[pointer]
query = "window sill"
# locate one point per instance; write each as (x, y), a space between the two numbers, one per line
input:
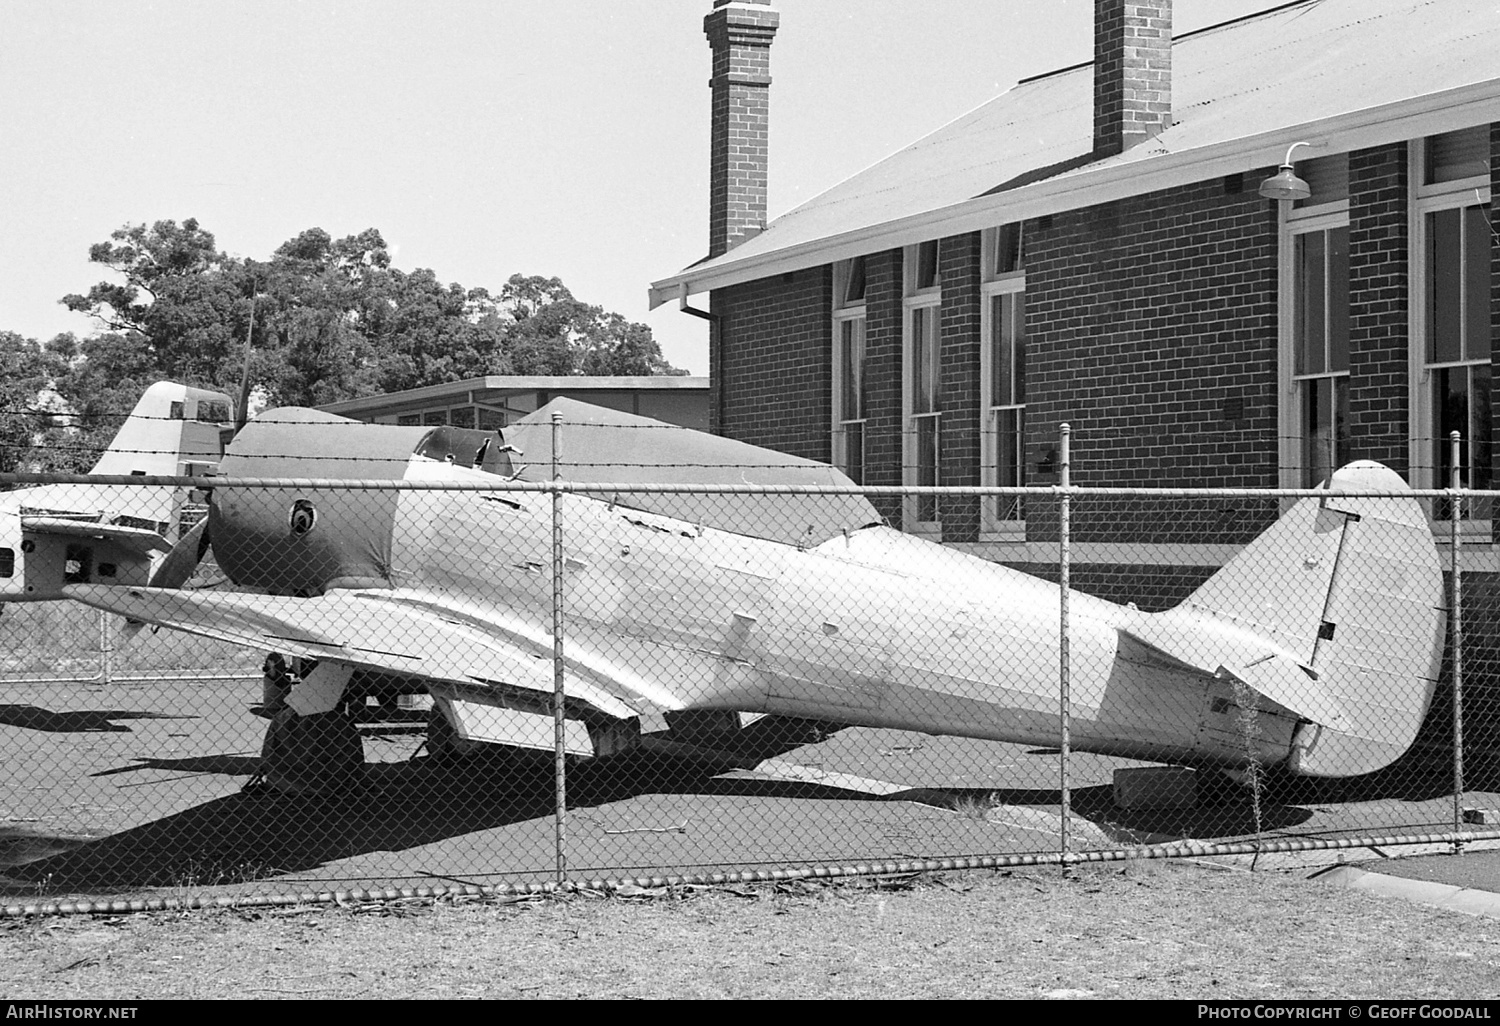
(1478, 533)
(1013, 533)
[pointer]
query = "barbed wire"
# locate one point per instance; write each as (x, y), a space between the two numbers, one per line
(793, 463)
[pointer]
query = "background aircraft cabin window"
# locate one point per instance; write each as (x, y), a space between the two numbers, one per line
(849, 396)
(213, 411)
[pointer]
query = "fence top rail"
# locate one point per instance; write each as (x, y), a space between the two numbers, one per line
(624, 488)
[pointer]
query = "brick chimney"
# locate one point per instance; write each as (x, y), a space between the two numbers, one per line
(740, 33)
(1132, 72)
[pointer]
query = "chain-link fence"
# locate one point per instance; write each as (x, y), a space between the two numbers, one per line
(357, 685)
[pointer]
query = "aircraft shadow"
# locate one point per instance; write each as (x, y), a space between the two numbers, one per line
(227, 765)
(245, 837)
(85, 721)
(398, 806)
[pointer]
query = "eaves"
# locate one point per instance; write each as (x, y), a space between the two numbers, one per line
(1150, 168)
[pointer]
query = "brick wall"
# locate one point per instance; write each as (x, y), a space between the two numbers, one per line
(883, 377)
(1152, 329)
(772, 363)
(958, 324)
(1378, 321)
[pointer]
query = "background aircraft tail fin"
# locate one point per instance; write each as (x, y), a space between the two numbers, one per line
(1351, 589)
(174, 429)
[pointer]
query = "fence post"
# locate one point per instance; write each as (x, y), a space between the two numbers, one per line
(559, 712)
(1064, 667)
(1455, 517)
(106, 649)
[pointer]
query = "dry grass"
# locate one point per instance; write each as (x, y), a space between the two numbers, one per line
(1141, 930)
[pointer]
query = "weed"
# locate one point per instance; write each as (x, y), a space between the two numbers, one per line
(1246, 700)
(973, 805)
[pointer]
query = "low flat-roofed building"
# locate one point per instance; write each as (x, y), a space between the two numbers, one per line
(497, 401)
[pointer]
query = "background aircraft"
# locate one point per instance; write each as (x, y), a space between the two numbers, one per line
(52, 536)
(705, 609)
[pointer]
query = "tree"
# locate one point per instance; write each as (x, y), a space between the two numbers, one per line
(182, 299)
(41, 428)
(326, 319)
(554, 333)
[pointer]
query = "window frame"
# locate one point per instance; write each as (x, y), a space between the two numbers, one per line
(1292, 432)
(996, 523)
(924, 301)
(1425, 200)
(850, 313)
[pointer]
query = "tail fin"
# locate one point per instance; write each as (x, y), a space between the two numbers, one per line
(173, 430)
(55, 534)
(1352, 589)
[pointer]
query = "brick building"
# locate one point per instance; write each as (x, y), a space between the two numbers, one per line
(1101, 246)
(1092, 246)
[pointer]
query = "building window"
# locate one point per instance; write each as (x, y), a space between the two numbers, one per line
(1314, 410)
(1320, 350)
(1002, 399)
(1451, 327)
(849, 395)
(921, 380)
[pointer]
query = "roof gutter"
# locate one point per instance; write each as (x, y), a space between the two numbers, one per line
(682, 298)
(1113, 179)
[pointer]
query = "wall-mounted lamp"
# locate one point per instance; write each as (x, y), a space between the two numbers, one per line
(1285, 185)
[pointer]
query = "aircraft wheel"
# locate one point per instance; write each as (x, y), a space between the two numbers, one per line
(318, 754)
(442, 740)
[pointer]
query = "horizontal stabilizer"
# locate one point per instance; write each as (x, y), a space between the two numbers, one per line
(1253, 662)
(1291, 685)
(137, 538)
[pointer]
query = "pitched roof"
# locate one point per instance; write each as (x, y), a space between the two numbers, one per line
(1345, 73)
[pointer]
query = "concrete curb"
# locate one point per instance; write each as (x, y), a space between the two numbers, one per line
(1459, 899)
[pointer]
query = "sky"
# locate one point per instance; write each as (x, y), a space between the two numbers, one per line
(483, 139)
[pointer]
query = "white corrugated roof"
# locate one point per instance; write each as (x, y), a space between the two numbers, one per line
(1344, 70)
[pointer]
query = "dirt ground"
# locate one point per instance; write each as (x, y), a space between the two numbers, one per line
(1138, 930)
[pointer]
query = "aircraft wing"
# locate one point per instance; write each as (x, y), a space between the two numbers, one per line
(138, 538)
(377, 629)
